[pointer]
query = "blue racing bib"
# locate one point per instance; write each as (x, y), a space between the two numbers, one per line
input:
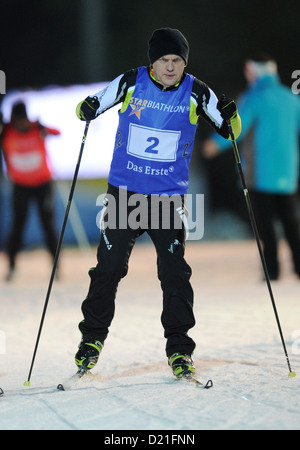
(155, 138)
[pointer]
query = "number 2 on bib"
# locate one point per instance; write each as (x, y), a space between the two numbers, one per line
(163, 143)
(151, 148)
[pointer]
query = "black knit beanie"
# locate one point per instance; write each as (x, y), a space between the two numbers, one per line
(167, 41)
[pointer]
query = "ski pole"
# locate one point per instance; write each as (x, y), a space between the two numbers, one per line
(27, 383)
(256, 234)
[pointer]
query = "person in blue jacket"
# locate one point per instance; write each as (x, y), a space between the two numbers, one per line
(270, 114)
(160, 106)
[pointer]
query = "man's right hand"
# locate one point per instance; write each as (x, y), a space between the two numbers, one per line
(87, 109)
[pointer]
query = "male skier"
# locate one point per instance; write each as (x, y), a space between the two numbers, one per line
(160, 109)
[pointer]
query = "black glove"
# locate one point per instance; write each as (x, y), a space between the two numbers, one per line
(227, 108)
(87, 109)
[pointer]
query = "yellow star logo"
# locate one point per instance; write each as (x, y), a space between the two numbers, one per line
(136, 110)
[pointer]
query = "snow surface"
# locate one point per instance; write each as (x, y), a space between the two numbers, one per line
(238, 347)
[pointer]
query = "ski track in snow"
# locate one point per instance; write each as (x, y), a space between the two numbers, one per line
(238, 347)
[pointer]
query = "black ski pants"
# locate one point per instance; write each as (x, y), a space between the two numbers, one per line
(174, 273)
(268, 209)
(22, 196)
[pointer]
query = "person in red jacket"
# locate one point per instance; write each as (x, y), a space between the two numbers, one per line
(24, 150)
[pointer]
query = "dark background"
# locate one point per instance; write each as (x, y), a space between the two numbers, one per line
(74, 41)
(63, 42)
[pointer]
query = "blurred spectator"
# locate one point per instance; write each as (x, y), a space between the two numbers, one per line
(270, 115)
(23, 145)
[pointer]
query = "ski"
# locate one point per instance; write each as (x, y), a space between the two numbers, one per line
(197, 383)
(76, 377)
(86, 374)
(27, 392)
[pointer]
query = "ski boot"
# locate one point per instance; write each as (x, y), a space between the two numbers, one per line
(181, 365)
(87, 356)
